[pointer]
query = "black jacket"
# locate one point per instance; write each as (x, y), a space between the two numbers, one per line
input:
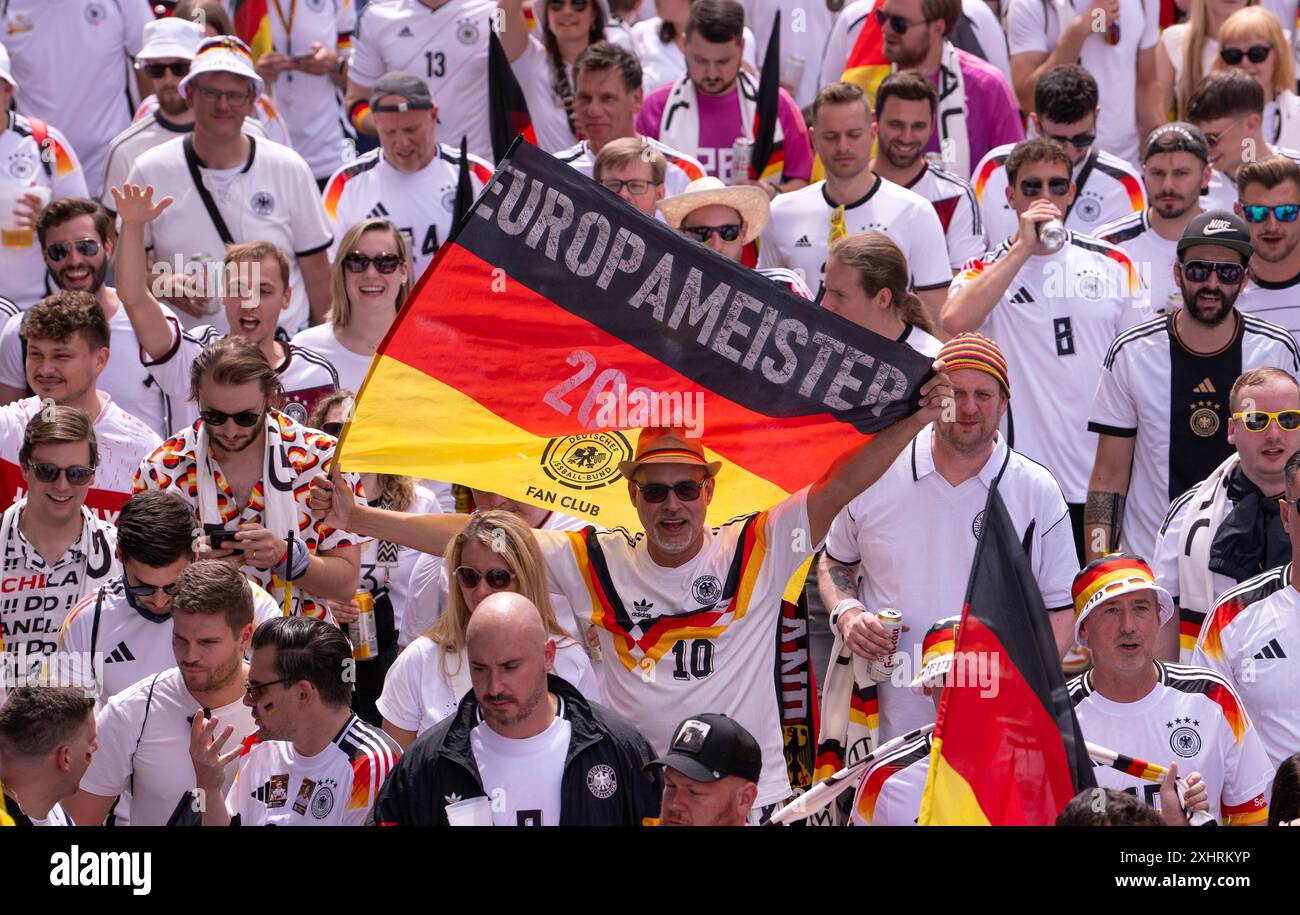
(439, 768)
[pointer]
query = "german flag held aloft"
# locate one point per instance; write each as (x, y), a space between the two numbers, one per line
(557, 320)
(1009, 753)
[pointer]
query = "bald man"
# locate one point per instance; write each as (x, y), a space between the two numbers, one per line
(524, 740)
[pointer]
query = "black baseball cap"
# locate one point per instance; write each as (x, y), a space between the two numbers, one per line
(407, 86)
(710, 747)
(1177, 137)
(1218, 227)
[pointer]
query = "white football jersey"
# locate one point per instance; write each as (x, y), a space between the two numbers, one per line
(701, 635)
(890, 791)
(1055, 323)
(954, 203)
(798, 232)
(1192, 717)
(1152, 256)
(1252, 638)
(1273, 301)
(278, 786)
(447, 47)
(1176, 404)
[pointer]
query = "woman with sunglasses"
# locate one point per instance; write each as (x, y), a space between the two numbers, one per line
(1188, 50)
(1252, 40)
(369, 281)
(385, 567)
(494, 552)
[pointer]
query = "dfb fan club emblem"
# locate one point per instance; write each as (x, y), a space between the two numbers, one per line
(601, 781)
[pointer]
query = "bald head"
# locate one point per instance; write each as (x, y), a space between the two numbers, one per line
(510, 653)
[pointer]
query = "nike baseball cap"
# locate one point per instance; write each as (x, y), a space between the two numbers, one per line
(413, 91)
(710, 747)
(1218, 227)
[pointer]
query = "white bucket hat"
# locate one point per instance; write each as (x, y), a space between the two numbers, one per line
(223, 54)
(168, 38)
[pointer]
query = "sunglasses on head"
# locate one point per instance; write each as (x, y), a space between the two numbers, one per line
(356, 262)
(1078, 141)
(1057, 187)
(1283, 212)
(701, 233)
(1260, 420)
(1257, 54)
(77, 474)
(497, 579)
(1199, 271)
(244, 418)
(156, 71)
(86, 247)
(897, 24)
(576, 5)
(685, 490)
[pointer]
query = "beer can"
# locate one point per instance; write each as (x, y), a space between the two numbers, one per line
(892, 620)
(1051, 235)
(1112, 33)
(362, 632)
(742, 155)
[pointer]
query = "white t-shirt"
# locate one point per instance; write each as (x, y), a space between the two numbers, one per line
(447, 47)
(135, 643)
(56, 817)
(1273, 301)
(157, 748)
(25, 163)
(1152, 255)
(890, 791)
(418, 693)
(1174, 41)
(536, 78)
(923, 342)
(1176, 404)
(73, 58)
(798, 232)
(1111, 190)
(701, 635)
(1055, 323)
(1253, 641)
(122, 442)
(682, 169)
(1033, 26)
(959, 213)
(919, 567)
(350, 367)
(522, 776)
(36, 595)
(427, 596)
(802, 36)
(273, 197)
(662, 63)
(305, 376)
(278, 786)
(129, 383)
(1193, 717)
(422, 204)
(150, 130)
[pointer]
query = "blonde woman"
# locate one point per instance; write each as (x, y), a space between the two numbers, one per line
(369, 280)
(495, 552)
(1187, 51)
(1252, 40)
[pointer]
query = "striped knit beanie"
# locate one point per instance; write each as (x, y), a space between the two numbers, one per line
(978, 352)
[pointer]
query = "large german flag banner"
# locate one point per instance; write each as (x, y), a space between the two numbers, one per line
(557, 320)
(1009, 752)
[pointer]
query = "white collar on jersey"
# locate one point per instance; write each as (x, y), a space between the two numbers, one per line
(922, 457)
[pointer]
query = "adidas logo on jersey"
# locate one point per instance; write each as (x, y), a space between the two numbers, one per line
(1022, 296)
(120, 653)
(642, 608)
(803, 242)
(378, 211)
(1270, 652)
(1205, 387)
(406, 32)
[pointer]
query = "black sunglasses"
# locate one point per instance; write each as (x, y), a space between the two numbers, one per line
(686, 490)
(334, 429)
(898, 24)
(701, 233)
(156, 71)
(254, 690)
(577, 5)
(1257, 54)
(1057, 187)
(1199, 271)
(497, 579)
(86, 247)
(356, 262)
(148, 590)
(244, 418)
(1078, 141)
(77, 474)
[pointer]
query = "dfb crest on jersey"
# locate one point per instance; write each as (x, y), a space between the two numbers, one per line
(467, 31)
(1088, 209)
(315, 5)
(1184, 740)
(21, 167)
(977, 524)
(95, 13)
(262, 203)
(707, 589)
(601, 781)
(449, 200)
(322, 802)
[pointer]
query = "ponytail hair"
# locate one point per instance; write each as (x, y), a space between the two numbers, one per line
(881, 265)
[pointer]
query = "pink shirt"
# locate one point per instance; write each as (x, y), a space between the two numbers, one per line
(992, 114)
(720, 126)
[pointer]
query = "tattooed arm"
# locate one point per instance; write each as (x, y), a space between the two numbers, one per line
(862, 632)
(1103, 515)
